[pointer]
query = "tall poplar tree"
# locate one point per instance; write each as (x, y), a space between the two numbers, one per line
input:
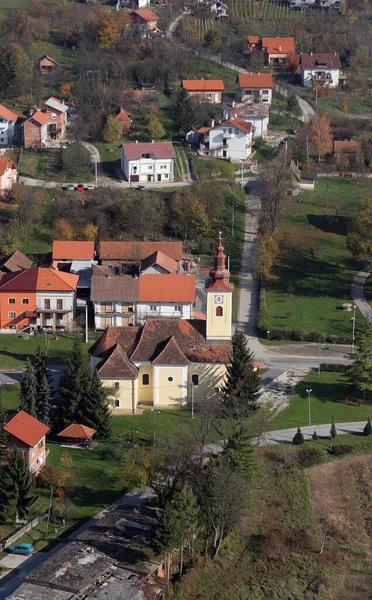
(28, 391)
(74, 384)
(15, 485)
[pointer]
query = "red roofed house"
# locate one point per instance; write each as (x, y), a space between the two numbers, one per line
(253, 42)
(77, 433)
(168, 361)
(37, 298)
(320, 68)
(48, 65)
(45, 125)
(348, 148)
(117, 253)
(255, 88)
(7, 124)
(205, 90)
(231, 139)
(145, 20)
(124, 118)
(277, 49)
(8, 174)
(148, 162)
(15, 262)
(75, 257)
(28, 434)
(171, 295)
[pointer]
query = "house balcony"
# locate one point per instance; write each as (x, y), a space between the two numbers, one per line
(124, 315)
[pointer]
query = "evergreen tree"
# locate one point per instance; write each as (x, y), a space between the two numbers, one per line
(240, 453)
(298, 439)
(43, 401)
(168, 532)
(183, 111)
(74, 384)
(360, 372)
(368, 428)
(187, 509)
(241, 388)
(315, 436)
(333, 431)
(28, 391)
(40, 366)
(94, 410)
(3, 434)
(15, 484)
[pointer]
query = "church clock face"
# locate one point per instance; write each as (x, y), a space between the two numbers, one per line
(218, 299)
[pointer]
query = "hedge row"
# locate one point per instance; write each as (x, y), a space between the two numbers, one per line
(334, 367)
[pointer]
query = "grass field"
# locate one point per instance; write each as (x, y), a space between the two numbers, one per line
(110, 157)
(9, 6)
(328, 391)
(358, 101)
(312, 276)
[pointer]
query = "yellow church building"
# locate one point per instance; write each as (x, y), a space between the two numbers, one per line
(168, 361)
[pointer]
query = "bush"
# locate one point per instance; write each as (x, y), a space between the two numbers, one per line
(333, 431)
(342, 449)
(334, 367)
(308, 457)
(315, 436)
(341, 338)
(298, 439)
(48, 477)
(368, 428)
(315, 336)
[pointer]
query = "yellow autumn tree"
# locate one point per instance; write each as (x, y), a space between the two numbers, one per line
(267, 251)
(62, 230)
(110, 26)
(90, 232)
(66, 89)
(345, 106)
(320, 135)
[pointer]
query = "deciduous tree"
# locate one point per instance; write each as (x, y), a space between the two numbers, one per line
(360, 372)
(274, 181)
(113, 130)
(359, 240)
(62, 230)
(320, 135)
(156, 129)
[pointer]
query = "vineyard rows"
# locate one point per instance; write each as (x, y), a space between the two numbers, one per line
(264, 10)
(194, 29)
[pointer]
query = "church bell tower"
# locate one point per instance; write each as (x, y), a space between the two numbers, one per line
(219, 299)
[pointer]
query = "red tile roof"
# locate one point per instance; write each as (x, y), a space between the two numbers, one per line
(5, 164)
(26, 428)
(38, 279)
(138, 251)
(167, 288)
(161, 259)
(72, 250)
(48, 58)
(158, 150)
(253, 39)
(127, 337)
(7, 114)
(122, 116)
(346, 146)
(255, 80)
(239, 124)
(107, 287)
(39, 117)
(117, 364)
(15, 262)
(203, 85)
(204, 129)
(76, 430)
(171, 354)
(146, 14)
(279, 45)
(325, 61)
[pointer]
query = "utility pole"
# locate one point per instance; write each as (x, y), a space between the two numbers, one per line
(233, 221)
(192, 400)
(242, 172)
(86, 323)
(96, 171)
(154, 431)
(309, 397)
(318, 358)
(353, 320)
(49, 509)
(285, 153)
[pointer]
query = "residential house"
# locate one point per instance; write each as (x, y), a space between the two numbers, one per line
(145, 20)
(37, 298)
(255, 114)
(8, 174)
(276, 50)
(232, 139)
(255, 88)
(45, 126)
(319, 68)
(215, 9)
(168, 361)
(48, 65)
(159, 263)
(124, 119)
(28, 435)
(75, 257)
(114, 298)
(346, 148)
(205, 90)
(170, 295)
(148, 162)
(117, 254)
(301, 5)
(7, 126)
(16, 261)
(135, 3)
(253, 42)
(57, 112)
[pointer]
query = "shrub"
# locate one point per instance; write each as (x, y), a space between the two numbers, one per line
(333, 431)
(48, 477)
(315, 436)
(334, 367)
(315, 336)
(342, 449)
(298, 439)
(368, 428)
(308, 457)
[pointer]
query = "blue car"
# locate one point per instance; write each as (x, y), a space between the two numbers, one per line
(141, 188)
(26, 549)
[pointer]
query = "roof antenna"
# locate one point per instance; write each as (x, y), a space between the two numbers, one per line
(220, 235)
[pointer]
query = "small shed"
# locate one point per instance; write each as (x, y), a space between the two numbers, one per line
(77, 434)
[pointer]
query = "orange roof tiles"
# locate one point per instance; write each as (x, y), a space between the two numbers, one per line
(117, 364)
(26, 428)
(253, 39)
(122, 116)
(7, 114)
(167, 288)
(138, 250)
(320, 60)
(171, 354)
(38, 279)
(279, 45)
(146, 14)
(76, 430)
(72, 250)
(161, 259)
(204, 129)
(239, 124)
(346, 146)
(40, 117)
(256, 80)
(159, 150)
(203, 85)
(5, 164)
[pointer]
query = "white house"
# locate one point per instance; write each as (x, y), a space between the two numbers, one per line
(7, 125)
(232, 139)
(170, 295)
(320, 68)
(255, 114)
(133, 3)
(148, 162)
(255, 88)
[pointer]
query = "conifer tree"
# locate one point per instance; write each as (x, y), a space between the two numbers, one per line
(43, 401)
(186, 507)
(298, 439)
(3, 434)
(28, 391)
(15, 484)
(240, 453)
(333, 431)
(74, 384)
(168, 532)
(183, 111)
(241, 388)
(95, 411)
(40, 365)
(368, 428)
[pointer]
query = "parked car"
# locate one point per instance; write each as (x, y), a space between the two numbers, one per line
(90, 186)
(70, 187)
(79, 187)
(141, 188)
(26, 549)
(346, 175)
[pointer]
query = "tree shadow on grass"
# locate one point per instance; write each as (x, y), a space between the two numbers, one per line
(330, 224)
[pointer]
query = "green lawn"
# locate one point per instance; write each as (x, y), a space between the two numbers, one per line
(110, 157)
(358, 100)
(41, 164)
(328, 390)
(9, 6)
(14, 350)
(312, 275)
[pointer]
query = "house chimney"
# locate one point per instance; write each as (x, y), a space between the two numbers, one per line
(280, 48)
(233, 103)
(212, 123)
(136, 141)
(235, 116)
(153, 141)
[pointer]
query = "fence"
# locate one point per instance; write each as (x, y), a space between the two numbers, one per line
(13, 537)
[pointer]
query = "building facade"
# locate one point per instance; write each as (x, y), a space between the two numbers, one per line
(28, 435)
(255, 88)
(8, 174)
(255, 114)
(232, 139)
(7, 126)
(322, 69)
(148, 162)
(205, 90)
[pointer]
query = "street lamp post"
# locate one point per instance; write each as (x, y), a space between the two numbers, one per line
(353, 319)
(242, 161)
(154, 431)
(268, 334)
(234, 206)
(309, 395)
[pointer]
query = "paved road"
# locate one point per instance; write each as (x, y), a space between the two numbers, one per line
(307, 110)
(9, 376)
(357, 293)
(285, 436)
